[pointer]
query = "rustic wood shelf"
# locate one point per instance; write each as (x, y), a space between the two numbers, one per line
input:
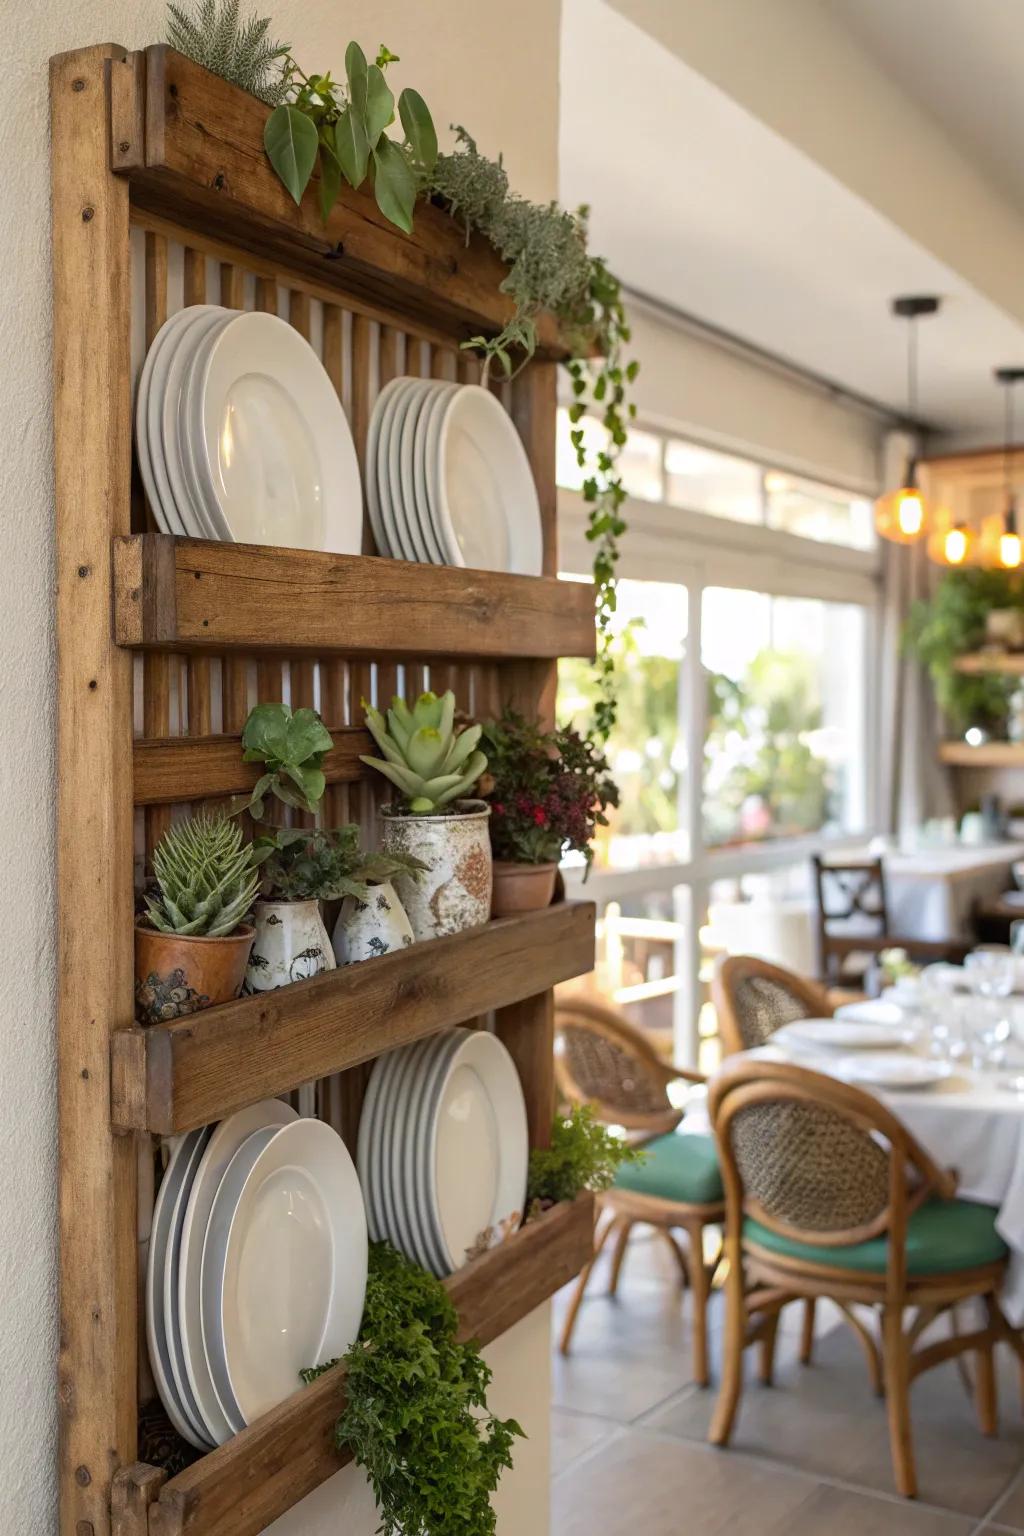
(1011, 663)
(242, 1486)
(191, 146)
(168, 769)
(990, 754)
(197, 594)
(168, 1078)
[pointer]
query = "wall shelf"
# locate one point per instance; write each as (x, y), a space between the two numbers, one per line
(196, 594)
(990, 754)
(238, 1489)
(1010, 663)
(168, 1078)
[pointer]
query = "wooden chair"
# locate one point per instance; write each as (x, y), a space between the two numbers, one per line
(853, 922)
(828, 1194)
(603, 1060)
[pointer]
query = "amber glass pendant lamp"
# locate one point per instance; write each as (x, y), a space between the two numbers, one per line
(902, 515)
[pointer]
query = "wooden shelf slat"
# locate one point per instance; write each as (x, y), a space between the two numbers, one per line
(171, 1077)
(990, 754)
(168, 769)
(238, 1489)
(200, 160)
(1011, 663)
(197, 594)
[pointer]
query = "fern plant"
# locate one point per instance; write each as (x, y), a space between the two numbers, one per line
(214, 34)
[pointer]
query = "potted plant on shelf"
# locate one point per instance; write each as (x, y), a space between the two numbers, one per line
(548, 792)
(193, 940)
(434, 763)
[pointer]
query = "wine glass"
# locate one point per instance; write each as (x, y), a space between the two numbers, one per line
(991, 970)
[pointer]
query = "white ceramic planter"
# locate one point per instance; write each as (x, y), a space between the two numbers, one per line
(454, 892)
(291, 944)
(373, 927)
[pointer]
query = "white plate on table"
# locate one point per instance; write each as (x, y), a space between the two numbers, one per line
(224, 1142)
(181, 1167)
(842, 1035)
(273, 448)
(893, 1070)
(487, 510)
(289, 1277)
(873, 1011)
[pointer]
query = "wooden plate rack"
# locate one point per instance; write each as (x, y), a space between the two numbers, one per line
(161, 198)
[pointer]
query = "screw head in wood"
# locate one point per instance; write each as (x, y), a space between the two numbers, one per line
(87, 214)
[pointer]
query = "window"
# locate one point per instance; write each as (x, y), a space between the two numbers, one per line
(704, 481)
(784, 742)
(817, 511)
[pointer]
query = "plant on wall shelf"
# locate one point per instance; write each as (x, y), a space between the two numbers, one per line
(951, 623)
(213, 33)
(584, 1154)
(416, 1416)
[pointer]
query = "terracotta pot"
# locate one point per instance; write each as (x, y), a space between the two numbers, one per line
(454, 892)
(292, 944)
(177, 974)
(522, 887)
(372, 927)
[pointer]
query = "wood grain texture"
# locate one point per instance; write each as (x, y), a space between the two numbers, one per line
(204, 164)
(133, 1491)
(194, 594)
(240, 1488)
(203, 1067)
(91, 363)
(175, 769)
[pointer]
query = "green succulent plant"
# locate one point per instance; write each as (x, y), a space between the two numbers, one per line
(424, 755)
(292, 745)
(207, 878)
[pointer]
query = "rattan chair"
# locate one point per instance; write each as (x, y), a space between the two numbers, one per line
(603, 1060)
(752, 999)
(828, 1194)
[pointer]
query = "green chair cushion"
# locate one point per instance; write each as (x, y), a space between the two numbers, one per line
(677, 1167)
(942, 1236)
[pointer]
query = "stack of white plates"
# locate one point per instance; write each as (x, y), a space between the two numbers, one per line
(257, 1267)
(843, 1035)
(448, 481)
(443, 1148)
(241, 436)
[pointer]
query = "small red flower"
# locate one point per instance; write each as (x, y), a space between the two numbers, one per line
(539, 816)
(497, 809)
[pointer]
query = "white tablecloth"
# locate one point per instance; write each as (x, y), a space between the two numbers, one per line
(971, 1124)
(931, 892)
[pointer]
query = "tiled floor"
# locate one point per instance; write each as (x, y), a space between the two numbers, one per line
(810, 1455)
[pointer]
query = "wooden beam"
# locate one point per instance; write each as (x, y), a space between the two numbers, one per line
(91, 363)
(171, 1077)
(199, 594)
(175, 768)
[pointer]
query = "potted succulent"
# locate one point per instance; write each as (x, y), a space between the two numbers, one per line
(193, 940)
(433, 763)
(548, 791)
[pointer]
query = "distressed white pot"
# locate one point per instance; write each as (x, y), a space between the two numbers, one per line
(372, 927)
(454, 892)
(291, 944)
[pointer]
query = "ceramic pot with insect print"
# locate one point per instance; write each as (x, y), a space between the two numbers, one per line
(291, 944)
(376, 926)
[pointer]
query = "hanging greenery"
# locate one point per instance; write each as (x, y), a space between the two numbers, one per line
(951, 623)
(341, 126)
(416, 1417)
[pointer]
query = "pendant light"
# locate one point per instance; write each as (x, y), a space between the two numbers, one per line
(901, 515)
(1009, 548)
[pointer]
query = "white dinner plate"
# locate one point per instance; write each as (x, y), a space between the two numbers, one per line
(487, 506)
(172, 1272)
(389, 486)
(842, 1034)
(873, 1011)
(273, 447)
(418, 1153)
(428, 436)
(181, 1165)
(373, 505)
(893, 1070)
(414, 500)
(224, 1142)
(168, 423)
(292, 1273)
(149, 400)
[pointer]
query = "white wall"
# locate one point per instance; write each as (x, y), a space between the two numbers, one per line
(460, 55)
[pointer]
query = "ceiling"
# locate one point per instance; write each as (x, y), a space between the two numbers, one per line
(697, 203)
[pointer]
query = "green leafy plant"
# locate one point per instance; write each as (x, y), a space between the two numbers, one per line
(551, 269)
(342, 125)
(416, 1416)
(584, 1154)
(292, 745)
(213, 33)
(206, 877)
(325, 865)
(425, 755)
(951, 623)
(548, 790)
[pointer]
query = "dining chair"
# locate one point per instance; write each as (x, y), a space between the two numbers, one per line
(828, 1194)
(853, 925)
(604, 1061)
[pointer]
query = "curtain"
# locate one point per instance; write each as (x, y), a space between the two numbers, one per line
(913, 785)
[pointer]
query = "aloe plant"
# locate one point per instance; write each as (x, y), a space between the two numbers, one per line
(424, 755)
(207, 878)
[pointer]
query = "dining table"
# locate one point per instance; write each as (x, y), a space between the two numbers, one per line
(933, 892)
(971, 1122)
